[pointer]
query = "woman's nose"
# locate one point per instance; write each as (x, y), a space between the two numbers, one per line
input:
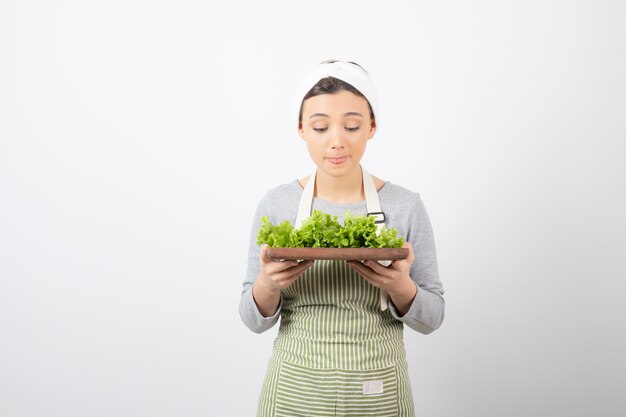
(336, 139)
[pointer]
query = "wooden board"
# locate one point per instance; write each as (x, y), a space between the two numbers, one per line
(347, 254)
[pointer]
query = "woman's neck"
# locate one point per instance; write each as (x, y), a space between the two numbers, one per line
(342, 190)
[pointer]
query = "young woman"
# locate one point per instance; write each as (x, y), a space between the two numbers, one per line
(340, 349)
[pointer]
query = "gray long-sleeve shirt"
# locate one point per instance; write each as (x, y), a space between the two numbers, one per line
(404, 211)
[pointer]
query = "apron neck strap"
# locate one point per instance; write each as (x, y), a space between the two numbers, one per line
(306, 201)
(371, 200)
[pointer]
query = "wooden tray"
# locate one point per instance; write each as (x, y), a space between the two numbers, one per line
(347, 254)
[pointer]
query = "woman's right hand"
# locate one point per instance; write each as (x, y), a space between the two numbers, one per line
(276, 275)
(273, 277)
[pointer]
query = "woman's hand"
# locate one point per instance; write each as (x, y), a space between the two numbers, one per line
(395, 279)
(274, 276)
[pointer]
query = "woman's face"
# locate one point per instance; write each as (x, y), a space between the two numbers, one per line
(336, 128)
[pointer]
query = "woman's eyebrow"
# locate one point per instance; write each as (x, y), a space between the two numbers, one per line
(350, 113)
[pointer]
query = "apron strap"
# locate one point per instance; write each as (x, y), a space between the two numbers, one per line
(306, 201)
(371, 200)
(373, 209)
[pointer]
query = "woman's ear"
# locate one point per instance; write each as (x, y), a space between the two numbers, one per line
(372, 131)
(300, 130)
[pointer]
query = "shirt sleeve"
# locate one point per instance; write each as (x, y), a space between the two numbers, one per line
(426, 313)
(248, 310)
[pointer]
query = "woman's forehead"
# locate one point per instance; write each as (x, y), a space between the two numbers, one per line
(340, 102)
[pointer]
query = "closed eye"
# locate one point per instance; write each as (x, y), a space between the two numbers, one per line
(320, 129)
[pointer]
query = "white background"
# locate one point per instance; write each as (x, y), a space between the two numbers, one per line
(136, 138)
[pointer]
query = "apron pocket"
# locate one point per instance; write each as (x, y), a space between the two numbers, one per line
(303, 391)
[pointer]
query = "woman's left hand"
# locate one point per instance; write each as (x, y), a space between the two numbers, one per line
(395, 278)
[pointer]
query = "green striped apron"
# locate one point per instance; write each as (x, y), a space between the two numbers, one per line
(337, 352)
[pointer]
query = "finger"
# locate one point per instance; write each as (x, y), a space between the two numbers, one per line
(291, 272)
(300, 267)
(362, 269)
(364, 272)
(402, 264)
(272, 265)
(275, 267)
(290, 280)
(378, 268)
(265, 257)
(304, 266)
(411, 256)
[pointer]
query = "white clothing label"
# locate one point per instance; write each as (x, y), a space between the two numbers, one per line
(372, 387)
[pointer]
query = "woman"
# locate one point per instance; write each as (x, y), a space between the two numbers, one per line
(339, 349)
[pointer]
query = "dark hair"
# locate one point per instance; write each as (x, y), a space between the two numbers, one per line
(332, 85)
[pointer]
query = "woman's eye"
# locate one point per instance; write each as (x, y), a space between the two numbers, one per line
(352, 129)
(320, 129)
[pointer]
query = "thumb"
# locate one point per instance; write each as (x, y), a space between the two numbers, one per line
(411, 257)
(265, 257)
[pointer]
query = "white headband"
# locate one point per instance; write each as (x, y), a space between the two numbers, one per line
(345, 71)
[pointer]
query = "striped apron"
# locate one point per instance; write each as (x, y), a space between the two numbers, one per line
(337, 352)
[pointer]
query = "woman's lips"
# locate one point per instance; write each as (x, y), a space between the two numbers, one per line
(337, 161)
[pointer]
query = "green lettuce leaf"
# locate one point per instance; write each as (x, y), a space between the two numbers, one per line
(321, 230)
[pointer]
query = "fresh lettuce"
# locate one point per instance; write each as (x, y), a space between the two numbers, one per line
(321, 230)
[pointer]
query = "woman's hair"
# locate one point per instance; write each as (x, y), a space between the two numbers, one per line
(332, 85)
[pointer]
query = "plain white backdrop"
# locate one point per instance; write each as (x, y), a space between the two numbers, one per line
(136, 138)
